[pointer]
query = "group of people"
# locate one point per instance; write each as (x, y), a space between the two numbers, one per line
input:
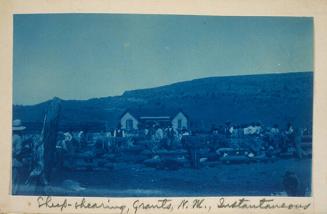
(253, 136)
(256, 138)
(112, 141)
(27, 158)
(163, 137)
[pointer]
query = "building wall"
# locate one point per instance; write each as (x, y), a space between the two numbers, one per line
(183, 121)
(126, 117)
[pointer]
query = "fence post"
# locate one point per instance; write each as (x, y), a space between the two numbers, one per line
(49, 136)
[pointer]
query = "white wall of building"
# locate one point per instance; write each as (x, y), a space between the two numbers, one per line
(180, 119)
(126, 117)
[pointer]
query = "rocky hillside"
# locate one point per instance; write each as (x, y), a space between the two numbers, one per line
(269, 98)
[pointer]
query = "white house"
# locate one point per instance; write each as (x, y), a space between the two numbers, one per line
(141, 118)
(128, 122)
(180, 121)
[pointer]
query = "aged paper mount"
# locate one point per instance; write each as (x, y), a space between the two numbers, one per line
(32, 204)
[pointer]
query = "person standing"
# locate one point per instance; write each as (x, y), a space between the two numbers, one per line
(170, 137)
(61, 150)
(297, 143)
(118, 138)
(288, 137)
(192, 144)
(183, 136)
(159, 134)
(80, 140)
(291, 184)
(17, 165)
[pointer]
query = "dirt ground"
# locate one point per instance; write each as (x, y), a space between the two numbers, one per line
(136, 180)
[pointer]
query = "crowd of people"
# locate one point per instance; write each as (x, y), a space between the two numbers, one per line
(254, 137)
(257, 138)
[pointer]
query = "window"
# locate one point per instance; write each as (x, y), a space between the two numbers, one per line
(179, 124)
(129, 124)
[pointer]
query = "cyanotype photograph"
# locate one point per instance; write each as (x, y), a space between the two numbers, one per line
(136, 105)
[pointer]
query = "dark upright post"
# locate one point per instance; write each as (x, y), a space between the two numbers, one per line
(49, 136)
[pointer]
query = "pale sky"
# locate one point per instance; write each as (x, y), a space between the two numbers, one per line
(82, 56)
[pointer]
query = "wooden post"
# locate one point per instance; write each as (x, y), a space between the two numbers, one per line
(49, 136)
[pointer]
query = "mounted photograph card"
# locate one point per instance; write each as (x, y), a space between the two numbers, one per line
(116, 110)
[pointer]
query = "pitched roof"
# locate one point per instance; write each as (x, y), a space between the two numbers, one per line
(160, 113)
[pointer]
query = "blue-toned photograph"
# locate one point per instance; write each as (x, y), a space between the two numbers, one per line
(136, 105)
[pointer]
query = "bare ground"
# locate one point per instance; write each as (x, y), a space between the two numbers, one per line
(136, 180)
